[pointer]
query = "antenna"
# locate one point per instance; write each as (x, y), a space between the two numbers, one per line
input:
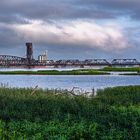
(46, 52)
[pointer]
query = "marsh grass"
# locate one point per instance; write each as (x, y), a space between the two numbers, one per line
(103, 71)
(122, 69)
(54, 114)
(55, 72)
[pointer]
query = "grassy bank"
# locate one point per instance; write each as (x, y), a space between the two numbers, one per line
(119, 69)
(45, 115)
(55, 72)
(103, 71)
(132, 74)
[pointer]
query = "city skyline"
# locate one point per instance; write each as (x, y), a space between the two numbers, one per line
(71, 29)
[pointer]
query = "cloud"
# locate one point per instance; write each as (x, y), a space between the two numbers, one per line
(81, 33)
(10, 11)
(129, 8)
(54, 9)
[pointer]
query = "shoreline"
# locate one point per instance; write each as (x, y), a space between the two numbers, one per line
(54, 72)
(38, 73)
(103, 71)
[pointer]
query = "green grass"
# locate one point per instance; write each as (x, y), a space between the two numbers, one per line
(119, 69)
(55, 72)
(103, 71)
(114, 114)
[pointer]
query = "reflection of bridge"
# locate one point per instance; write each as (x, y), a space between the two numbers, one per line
(9, 61)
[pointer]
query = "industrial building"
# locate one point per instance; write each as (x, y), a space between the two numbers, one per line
(42, 58)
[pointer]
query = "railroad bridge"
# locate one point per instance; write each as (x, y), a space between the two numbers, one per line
(29, 61)
(87, 62)
(125, 62)
(8, 60)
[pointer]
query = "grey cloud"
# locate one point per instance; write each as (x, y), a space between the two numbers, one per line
(121, 7)
(113, 4)
(67, 9)
(54, 9)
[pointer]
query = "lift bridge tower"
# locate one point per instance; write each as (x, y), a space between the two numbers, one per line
(29, 54)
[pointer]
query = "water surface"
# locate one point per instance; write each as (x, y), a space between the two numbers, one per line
(86, 82)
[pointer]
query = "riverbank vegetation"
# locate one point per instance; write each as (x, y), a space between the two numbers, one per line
(56, 72)
(103, 71)
(121, 69)
(114, 114)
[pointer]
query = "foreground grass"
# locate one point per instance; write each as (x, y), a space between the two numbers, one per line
(46, 115)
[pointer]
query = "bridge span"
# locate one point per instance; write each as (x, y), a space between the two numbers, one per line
(29, 61)
(8, 60)
(15, 61)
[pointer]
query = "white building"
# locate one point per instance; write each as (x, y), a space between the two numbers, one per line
(42, 58)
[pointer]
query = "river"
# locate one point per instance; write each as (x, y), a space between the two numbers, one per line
(86, 82)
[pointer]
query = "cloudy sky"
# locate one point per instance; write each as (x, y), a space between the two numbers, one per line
(71, 29)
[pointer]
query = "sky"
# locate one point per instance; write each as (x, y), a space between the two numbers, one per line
(71, 29)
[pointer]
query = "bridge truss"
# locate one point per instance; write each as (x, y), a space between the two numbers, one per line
(125, 62)
(8, 60)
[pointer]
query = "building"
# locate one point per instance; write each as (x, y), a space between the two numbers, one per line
(42, 58)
